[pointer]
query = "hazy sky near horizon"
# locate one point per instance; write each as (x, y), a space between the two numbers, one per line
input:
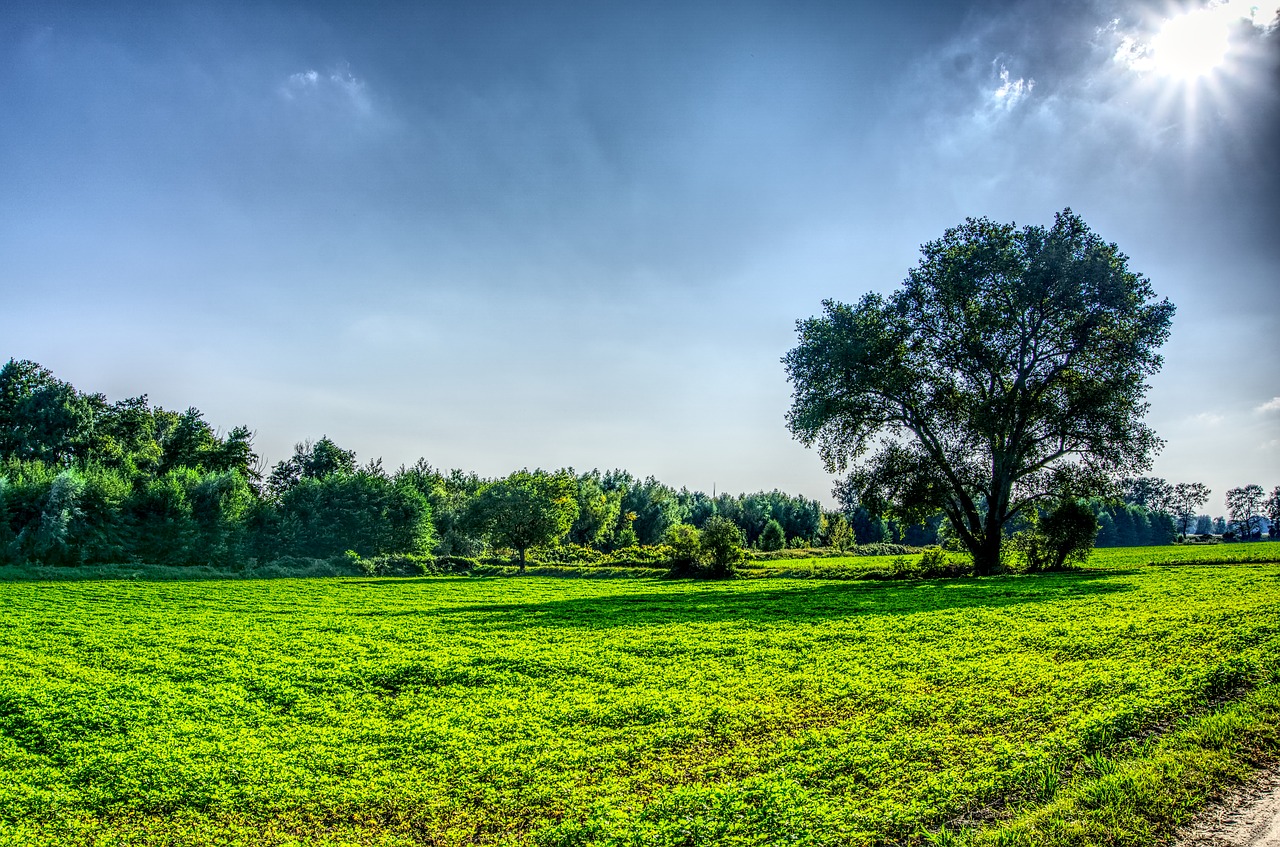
(499, 235)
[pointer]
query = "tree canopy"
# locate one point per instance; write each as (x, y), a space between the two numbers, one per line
(1010, 369)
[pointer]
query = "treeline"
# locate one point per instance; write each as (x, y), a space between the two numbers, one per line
(84, 480)
(1250, 512)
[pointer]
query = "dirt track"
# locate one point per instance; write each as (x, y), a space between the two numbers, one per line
(1248, 818)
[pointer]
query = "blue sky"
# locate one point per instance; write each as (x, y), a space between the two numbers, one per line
(504, 235)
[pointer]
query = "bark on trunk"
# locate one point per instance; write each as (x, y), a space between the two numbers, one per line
(986, 558)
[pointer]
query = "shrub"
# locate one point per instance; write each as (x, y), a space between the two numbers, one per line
(397, 564)
(722, 543)
(1060, 539)
(772, 537)
(685, 544)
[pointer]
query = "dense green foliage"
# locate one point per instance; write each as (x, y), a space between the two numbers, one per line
(84, 481)
(636, 712)
(1009, 369)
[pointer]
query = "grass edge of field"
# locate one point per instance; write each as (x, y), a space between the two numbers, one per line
(1147, 795)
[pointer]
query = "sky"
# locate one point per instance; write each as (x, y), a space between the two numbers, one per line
(504, 235)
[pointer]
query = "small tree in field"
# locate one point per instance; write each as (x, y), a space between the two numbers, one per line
(526, 510)
(722, 543)
(685, 542)
(1273, 513)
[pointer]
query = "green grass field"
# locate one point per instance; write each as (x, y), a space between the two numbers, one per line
(1100, 706)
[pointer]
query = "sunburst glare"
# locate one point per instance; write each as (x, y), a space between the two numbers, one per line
(1192, 45)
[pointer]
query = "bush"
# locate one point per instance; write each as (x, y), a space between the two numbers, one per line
(455, 564)
(685, 543)
(772, 537)
(1060, 539)
(883, 548)
(396, 564)
(722, 543)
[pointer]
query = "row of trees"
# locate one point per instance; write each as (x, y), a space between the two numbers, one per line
(86, 480)
(1247, 506)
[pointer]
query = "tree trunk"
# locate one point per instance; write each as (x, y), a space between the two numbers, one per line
(521, 560)
(986, 556)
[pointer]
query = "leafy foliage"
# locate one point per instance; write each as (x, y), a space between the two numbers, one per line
(527, 509)
(1009, 369)
(722, 543)
(1060, 538)
(772, 538)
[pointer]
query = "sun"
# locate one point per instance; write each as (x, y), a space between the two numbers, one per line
(1191, 45)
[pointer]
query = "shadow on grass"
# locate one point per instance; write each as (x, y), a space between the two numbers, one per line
(707, 602)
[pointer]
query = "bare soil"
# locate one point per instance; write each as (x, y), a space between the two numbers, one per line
(1249, 817)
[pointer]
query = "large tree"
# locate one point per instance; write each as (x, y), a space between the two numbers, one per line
(1008, 371)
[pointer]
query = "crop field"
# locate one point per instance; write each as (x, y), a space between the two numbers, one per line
(1098, 706)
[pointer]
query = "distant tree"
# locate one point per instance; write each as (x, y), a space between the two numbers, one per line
(1244, 510)
(527, 509)
(722, 542)
(1150, 492)
(840, 534)
(598, 512)
(1185, 501)
(1273, 513)
(772, 537)
(1204, 525)
(697, 505)
(311, 461)
(1108, 536)
(43, 418)
(126, 438)
(1127, 534)
(364, 511)
(1009, 371)
(655, 508)
(1219, 525)
(450, 496)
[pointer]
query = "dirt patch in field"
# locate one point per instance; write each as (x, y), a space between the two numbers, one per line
(1249, 817)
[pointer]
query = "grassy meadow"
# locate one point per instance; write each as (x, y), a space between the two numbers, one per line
(1090, 707)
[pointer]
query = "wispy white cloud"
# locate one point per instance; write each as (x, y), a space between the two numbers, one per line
(340, 85)
(1272, 405)
(1208, 419)
(1011, 91)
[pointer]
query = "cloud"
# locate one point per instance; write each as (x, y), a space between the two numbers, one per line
(1272, 405)
(1011, 91)
(298, 82)
(336, 87)
(1207, 419)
